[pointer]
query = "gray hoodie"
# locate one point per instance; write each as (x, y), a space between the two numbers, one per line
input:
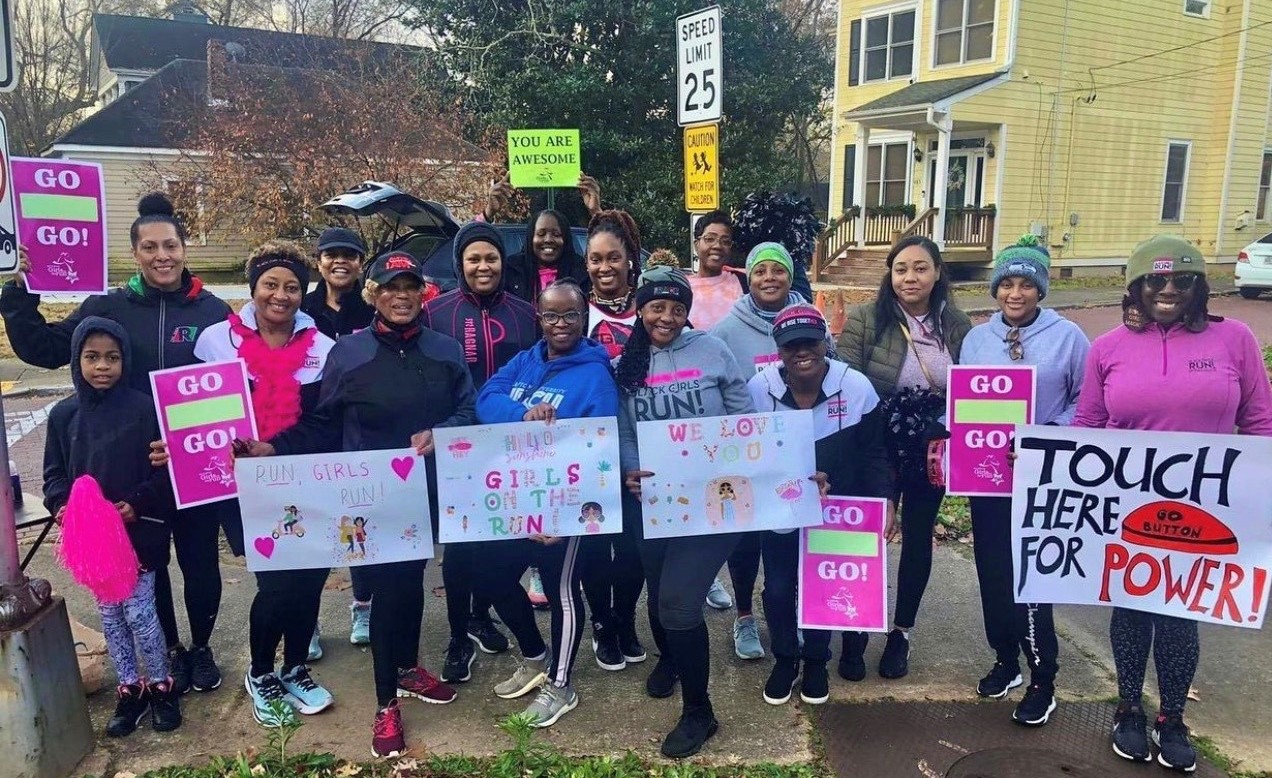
(694, 377)
(749, 338)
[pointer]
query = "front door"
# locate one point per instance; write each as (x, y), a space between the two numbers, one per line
(963, 184)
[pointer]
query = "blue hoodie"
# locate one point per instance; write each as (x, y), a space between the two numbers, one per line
(1054, 345)
(578, 384)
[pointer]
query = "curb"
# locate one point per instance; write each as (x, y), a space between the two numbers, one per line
(40, 391)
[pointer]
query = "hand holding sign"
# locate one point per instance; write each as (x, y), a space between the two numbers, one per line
(62, 221)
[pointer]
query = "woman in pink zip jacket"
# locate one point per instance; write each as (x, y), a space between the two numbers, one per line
(1141, 376)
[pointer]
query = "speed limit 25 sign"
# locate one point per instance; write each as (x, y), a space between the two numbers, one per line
(699, 76)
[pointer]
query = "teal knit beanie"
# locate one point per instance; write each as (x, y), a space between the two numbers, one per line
(1026, 259)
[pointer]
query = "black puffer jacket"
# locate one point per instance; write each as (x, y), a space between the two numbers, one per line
(163, 326)
(107, 434)
(354, 313)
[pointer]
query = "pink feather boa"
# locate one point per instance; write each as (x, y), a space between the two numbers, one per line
(95, 547)
(276, 392)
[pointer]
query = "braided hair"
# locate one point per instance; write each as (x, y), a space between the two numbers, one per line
(622, 226)
(155, 208)
(1196, 315)
(633, 365)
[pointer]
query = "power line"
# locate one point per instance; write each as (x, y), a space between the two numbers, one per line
(1181, 48)
(1168, 76)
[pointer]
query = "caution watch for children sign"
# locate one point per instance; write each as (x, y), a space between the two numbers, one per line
(702, 168)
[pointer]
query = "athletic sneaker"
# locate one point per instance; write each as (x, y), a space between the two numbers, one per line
(529, 674)
(695, 727)
(605, 645)
(165, 706)
(360, 623)
(552, 703)
(538, 600)
(1036, 706)
(387, 737)
(458, 666)
(717, 597)
(423, 685)
(271, 706)
(814, 689)
(488, 637)
(1174, 749)
(662, 681)
(179, 667)
(310, 697)
(629, 645)
(895, 662)
(781, 681)
(315, 647)
(204, 674)
(131, 706)
(1002, 678)
(852, 657)
(1130, 734)
(746, 638)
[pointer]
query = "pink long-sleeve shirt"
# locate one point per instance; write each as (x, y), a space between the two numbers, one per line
(1173, 380)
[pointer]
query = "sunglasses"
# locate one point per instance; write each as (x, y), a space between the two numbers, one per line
(1181, 281)
(1015, 347)
(552, 319)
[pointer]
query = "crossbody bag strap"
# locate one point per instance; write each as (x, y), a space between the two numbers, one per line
(910, 339)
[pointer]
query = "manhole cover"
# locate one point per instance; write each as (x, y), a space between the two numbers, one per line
(1019, 762)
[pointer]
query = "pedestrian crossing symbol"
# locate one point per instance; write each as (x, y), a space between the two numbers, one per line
(702, 168)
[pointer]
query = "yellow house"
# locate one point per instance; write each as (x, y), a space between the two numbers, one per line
(1092, 124)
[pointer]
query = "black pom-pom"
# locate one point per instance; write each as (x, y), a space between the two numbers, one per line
(155, 204)
(781, 218)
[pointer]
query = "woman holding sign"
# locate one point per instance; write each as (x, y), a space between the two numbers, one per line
(163, 309)
(904, 343)
(1165, 323)
(378, 386)
(850, 450)
(1022, 333)
(564, 376)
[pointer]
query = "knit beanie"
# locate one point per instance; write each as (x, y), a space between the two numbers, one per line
(1025, 259)
(473, 232)
(663, 283)
(769, 252)
(1164, 254)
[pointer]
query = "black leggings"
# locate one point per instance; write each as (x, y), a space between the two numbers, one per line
(459, 571)
(781, 599)
(361, 591)
(1010, 628)
(920, 503)
(195, 535)
(1176, 649)
(397, 588)
(612, 571)
(285, 609)
(744, 569)
(559, 568)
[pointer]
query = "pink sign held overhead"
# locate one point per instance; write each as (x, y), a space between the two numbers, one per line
(843, 568)
(62, 224)
(202, 410)
(984, 405)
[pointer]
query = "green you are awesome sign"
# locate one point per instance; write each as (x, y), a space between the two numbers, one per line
(544, 158)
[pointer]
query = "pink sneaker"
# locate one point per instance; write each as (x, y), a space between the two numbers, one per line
(387, 737)
(423, 685)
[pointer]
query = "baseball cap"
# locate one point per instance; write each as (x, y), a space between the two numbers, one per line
(393, 264)
(799, 322)
(341, 238)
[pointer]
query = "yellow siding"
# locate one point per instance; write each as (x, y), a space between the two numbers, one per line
(128, 176)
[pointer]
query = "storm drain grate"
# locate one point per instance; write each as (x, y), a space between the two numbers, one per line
(973, 740)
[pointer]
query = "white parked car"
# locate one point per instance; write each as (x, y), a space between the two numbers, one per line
(1253, 271)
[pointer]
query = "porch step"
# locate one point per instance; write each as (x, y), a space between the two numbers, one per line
(857, 267)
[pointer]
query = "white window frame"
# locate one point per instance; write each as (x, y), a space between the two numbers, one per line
(1183, 185)
(883, 144)
(1264, 190)
(962, 60)
(889, 12)
(199, 238)
(1205, 10)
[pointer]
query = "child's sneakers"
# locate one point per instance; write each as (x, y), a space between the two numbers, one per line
(271, 705)
(310, 697)
(131, 707)
(165, 705)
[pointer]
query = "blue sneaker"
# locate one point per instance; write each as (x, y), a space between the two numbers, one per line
(315, 647)
(309, 696)
(717, 597)
(746, 638)
(360, 623)
(271, 707)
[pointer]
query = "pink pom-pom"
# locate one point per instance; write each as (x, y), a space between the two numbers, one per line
(95, 547)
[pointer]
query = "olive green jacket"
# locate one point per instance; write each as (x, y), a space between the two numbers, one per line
(882, 361)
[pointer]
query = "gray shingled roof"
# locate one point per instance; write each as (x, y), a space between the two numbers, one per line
(924, 93)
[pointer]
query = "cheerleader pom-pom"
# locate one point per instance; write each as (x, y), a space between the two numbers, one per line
(95, 547)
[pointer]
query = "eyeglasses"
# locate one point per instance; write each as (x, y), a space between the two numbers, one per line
(552, 319)
(714, 240)
(1015, 347)
(1181, 281)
